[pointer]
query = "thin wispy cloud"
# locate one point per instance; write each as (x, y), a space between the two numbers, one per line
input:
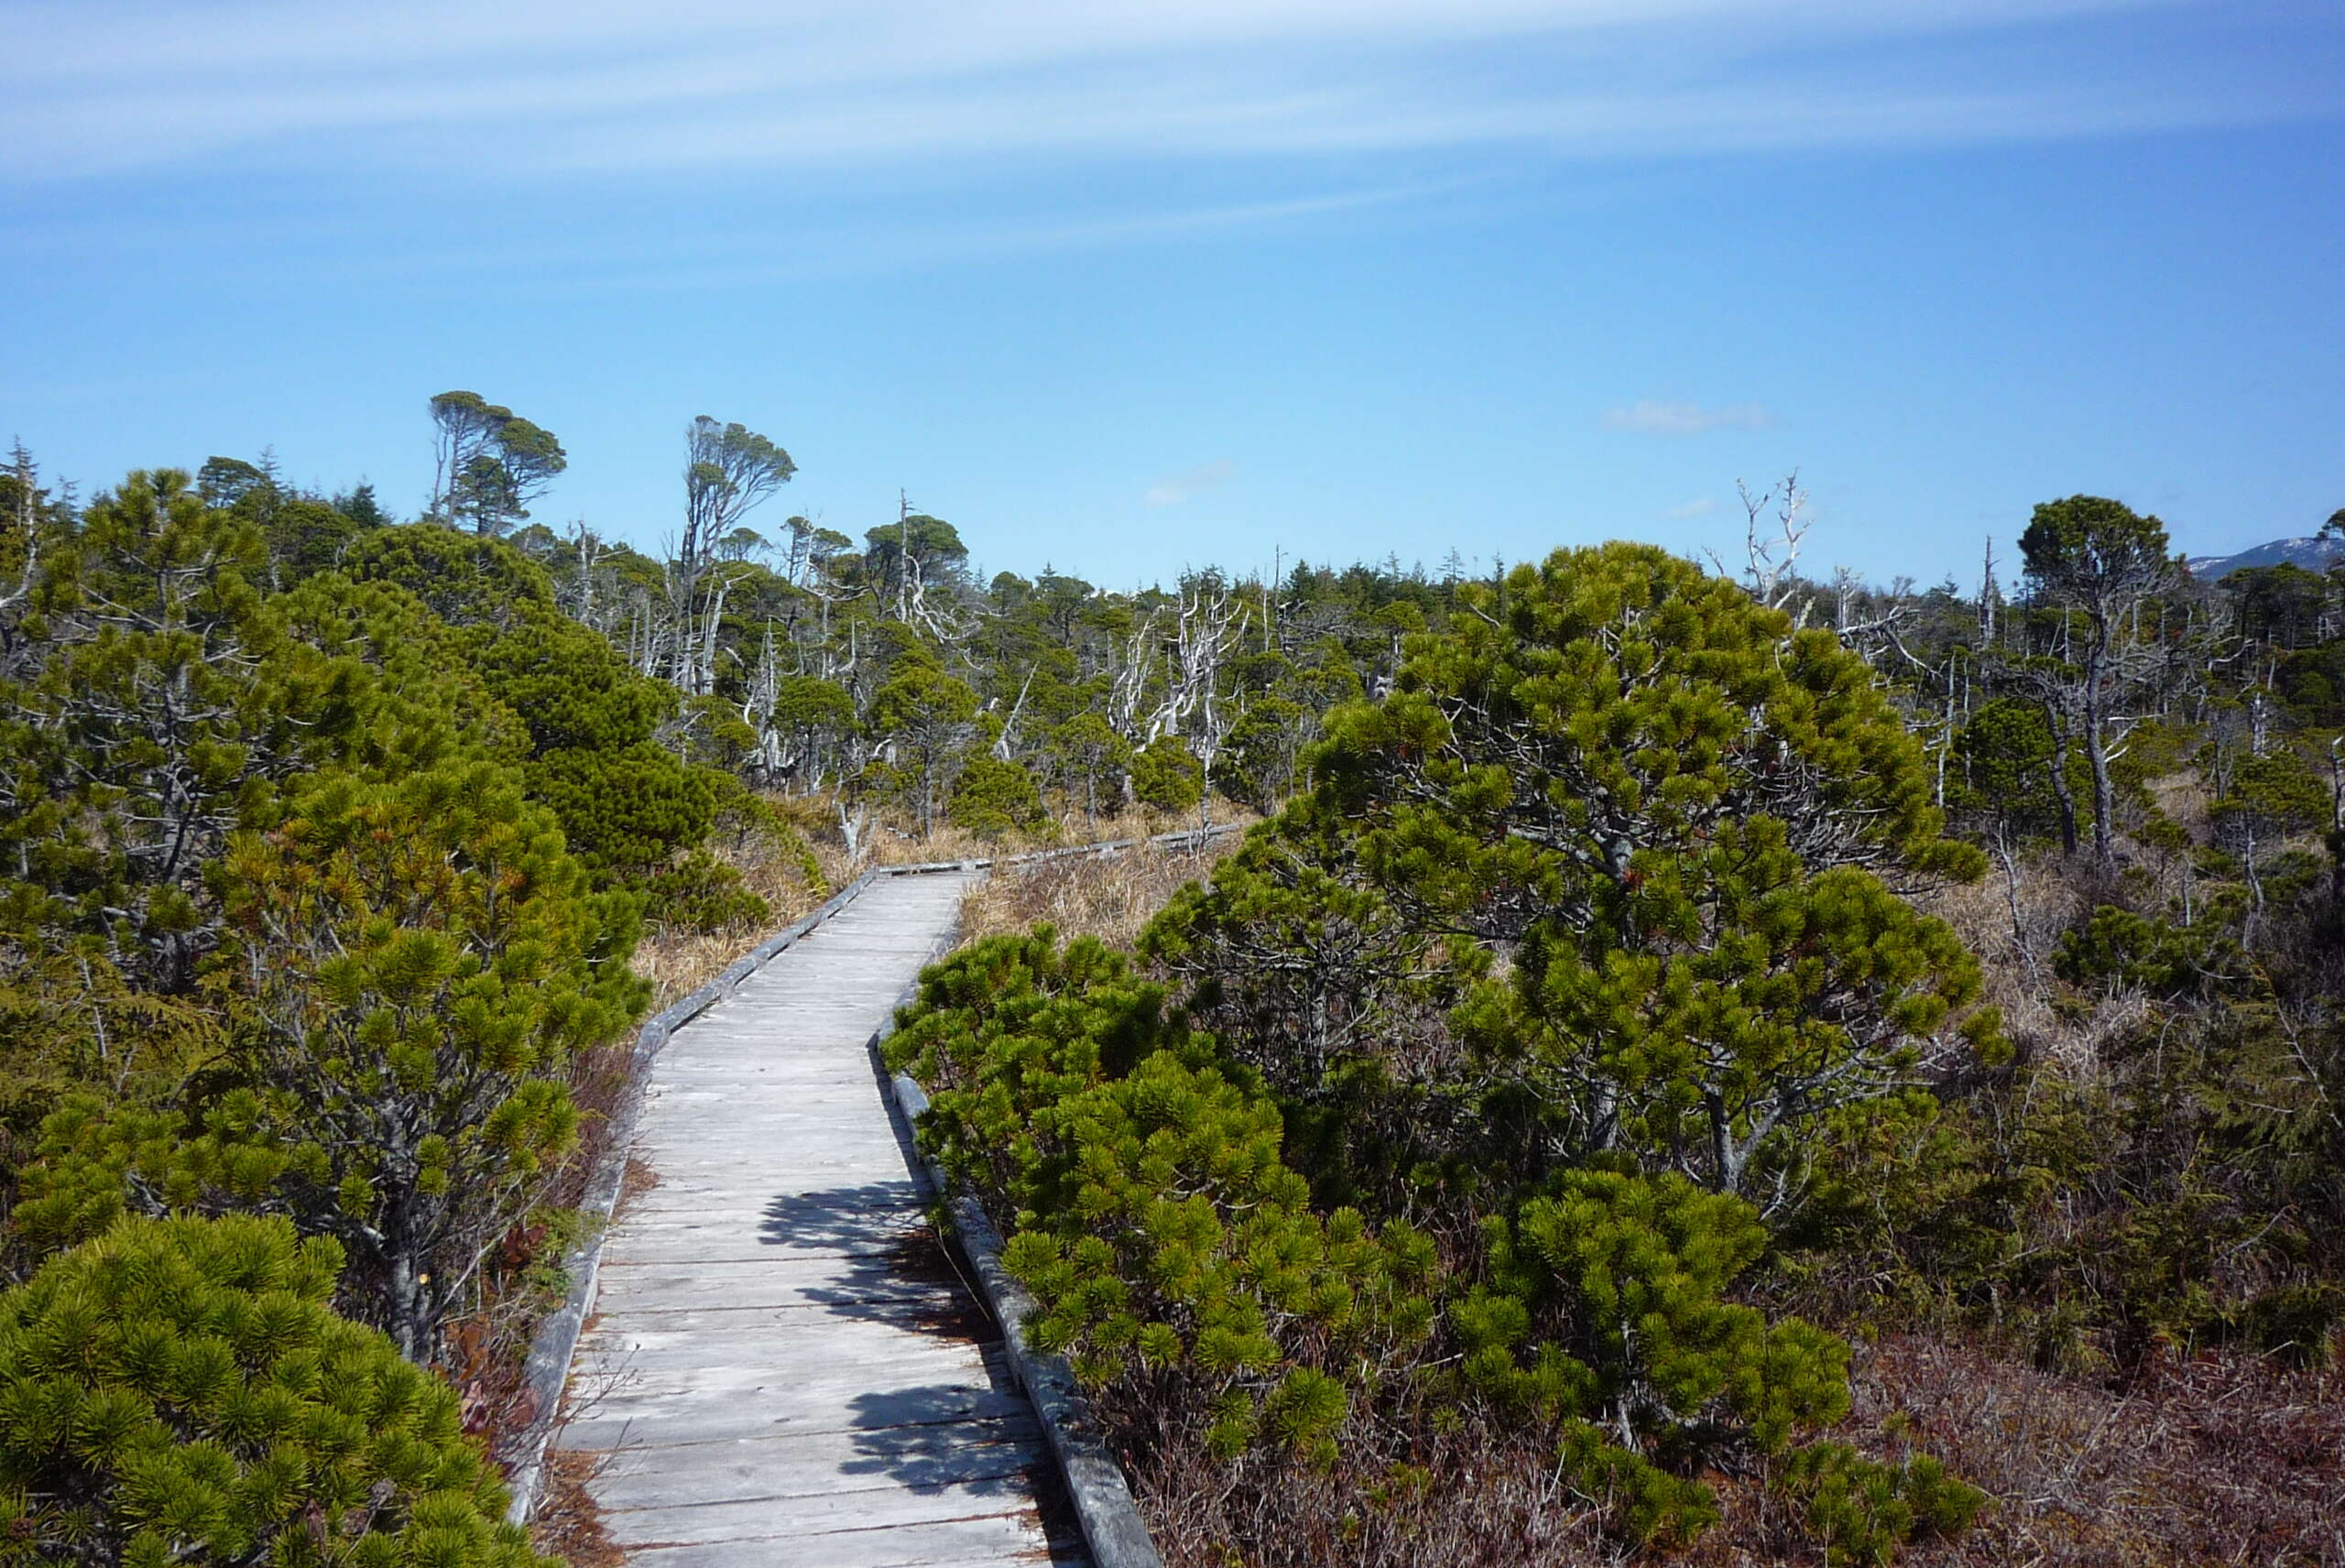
(473, 93)
(747, 259)
(1700, 507)
(1183, 488)
(1655, 417)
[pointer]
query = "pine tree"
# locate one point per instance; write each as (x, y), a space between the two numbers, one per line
(993, 797)
(2101, 562)
(414, 965)
(1166, 776)
(162, 704)
(1686, 826)
(926, 717)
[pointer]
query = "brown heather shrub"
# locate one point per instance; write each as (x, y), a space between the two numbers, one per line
(2204, 1461)
(2210, 1461)
(1481, 1497)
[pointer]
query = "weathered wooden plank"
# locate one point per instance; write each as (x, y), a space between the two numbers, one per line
(919, 1313)
(819, 1465)
(979, 1542)
(789, 1218)
(815, 1385)
(814, 1346)
(627, 1418)
(657, 1287)
(752, 1518)
(884, 1234)
(756, 1450)
(671, 1205)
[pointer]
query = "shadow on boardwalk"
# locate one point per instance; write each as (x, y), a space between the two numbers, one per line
(921, 1437)
(868, 1218)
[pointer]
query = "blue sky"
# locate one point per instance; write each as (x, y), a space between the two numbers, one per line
(1128, 287)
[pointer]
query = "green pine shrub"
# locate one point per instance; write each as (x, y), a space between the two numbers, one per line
(1155, 1219)
(2294, 1325)
(1638, 1267)
(700, 893)
(570, 686)
(1013, 1023)
(466, 579)
(627, 811)
(1607, 1311)
(415, 966)
(992, 798)
(1166, 774)
(179, 1392)
(1640, 1501)
(1183, 1240)
(2118, 947)
(1862, 1511)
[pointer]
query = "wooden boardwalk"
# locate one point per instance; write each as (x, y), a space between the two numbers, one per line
(782, 1367)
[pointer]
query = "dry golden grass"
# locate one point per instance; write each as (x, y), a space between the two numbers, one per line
(2012, 920)
(890, 842)
(567, 1523)
(1110, 895)
(678, 961)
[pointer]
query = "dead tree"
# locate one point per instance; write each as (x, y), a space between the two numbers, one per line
(1772, 540)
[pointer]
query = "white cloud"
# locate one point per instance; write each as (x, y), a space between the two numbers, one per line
(1173, 492)
(463, 92)
(1650, 417)
(1701, 506)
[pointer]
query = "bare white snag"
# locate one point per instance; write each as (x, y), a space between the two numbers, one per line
(1771, 541)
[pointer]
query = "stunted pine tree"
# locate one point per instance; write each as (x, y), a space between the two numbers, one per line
(1687, 826)
(926, 719)
(729, 472)
(2099, 564)
(415, 965)
(488, 463)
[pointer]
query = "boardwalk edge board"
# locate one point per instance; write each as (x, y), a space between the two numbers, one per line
(546, 1372)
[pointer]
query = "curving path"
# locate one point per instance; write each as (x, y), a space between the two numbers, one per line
(782, 1367)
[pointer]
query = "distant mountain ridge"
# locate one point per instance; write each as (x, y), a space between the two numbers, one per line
(2311, 552)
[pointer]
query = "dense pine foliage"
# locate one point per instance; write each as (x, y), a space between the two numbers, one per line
(180, 1392)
